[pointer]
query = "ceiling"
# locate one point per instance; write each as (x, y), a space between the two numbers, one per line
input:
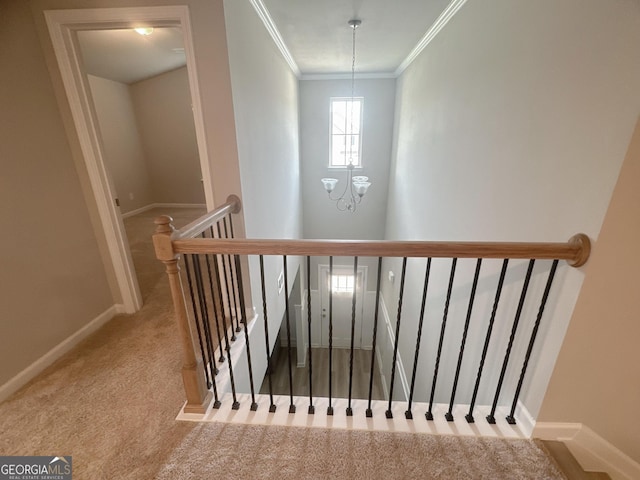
(315, 33)
(319, 38)
(125, 56)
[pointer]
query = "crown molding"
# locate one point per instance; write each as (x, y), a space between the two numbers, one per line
(438, 25)
(346, 76)
(270, 25)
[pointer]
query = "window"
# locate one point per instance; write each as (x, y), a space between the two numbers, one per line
(342, 283)
(346, 128)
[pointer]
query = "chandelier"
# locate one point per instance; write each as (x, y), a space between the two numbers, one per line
(356, 185)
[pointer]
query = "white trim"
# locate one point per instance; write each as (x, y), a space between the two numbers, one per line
(346, 76)
(438, 426)
(392, 338)
(592, 452)
(179, 205)
(77, 90)
(120, 309)
(361, 295)
(271, 27)
(151, 206)
(26, 375)
(138, 211)
(385, 389)
(525, 420)
(438, 25)
(63, 25)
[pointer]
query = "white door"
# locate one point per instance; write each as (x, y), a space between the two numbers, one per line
(342, 285)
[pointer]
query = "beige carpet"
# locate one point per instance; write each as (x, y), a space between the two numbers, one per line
(241, 451)
(111, 404)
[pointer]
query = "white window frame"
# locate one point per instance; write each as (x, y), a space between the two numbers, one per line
(357, 161)
(342, 283)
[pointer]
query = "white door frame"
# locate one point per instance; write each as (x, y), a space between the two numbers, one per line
(63, 26)
(323, 269)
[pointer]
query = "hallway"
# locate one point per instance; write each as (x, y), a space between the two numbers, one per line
(139, 229)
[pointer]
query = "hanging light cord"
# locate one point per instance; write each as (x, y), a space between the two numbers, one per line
(353, 81)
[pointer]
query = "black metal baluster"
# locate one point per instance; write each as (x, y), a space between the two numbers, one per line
(353, 331)
(226, 284)
(449, 414)
(236, 404)
(235, 293)
(204, 312)
(389, 413)
(487, 339)
(369, 412)
(491, 417)
(292, 407)
(330, 407)
(243, 312)
(408, 415)
(197, 321)
(272, 406)
(534, 333)
(216, 313)
(312, 409)
(429, 414)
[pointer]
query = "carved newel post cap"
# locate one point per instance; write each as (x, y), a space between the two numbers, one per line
(164, 224)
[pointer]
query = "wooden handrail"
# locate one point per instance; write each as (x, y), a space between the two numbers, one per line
(576, 251)
(232, 205)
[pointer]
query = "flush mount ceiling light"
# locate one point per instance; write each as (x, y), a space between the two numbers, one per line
(144, 31)
(358, 185)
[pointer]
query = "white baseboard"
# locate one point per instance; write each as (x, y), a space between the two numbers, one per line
(592, 452)
(140, 210)
(385, 389)
(56, 352)
(402, 375)
(526, 422)
(179, 205)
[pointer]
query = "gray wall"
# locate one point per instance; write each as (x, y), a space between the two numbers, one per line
(53, 279)
(165, 121)
(512, 126)
(265, 100)
(149, 139)
(56, 253)
(124, 154)
(321, 217)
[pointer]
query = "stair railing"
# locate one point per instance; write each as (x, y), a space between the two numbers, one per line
(199, 366)
(221, 252)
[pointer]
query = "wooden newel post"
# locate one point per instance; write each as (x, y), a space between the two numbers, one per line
(198, 395)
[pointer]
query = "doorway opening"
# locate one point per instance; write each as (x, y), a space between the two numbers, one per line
(66, 27)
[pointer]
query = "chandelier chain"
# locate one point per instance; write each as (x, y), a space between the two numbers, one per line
(353, 82)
